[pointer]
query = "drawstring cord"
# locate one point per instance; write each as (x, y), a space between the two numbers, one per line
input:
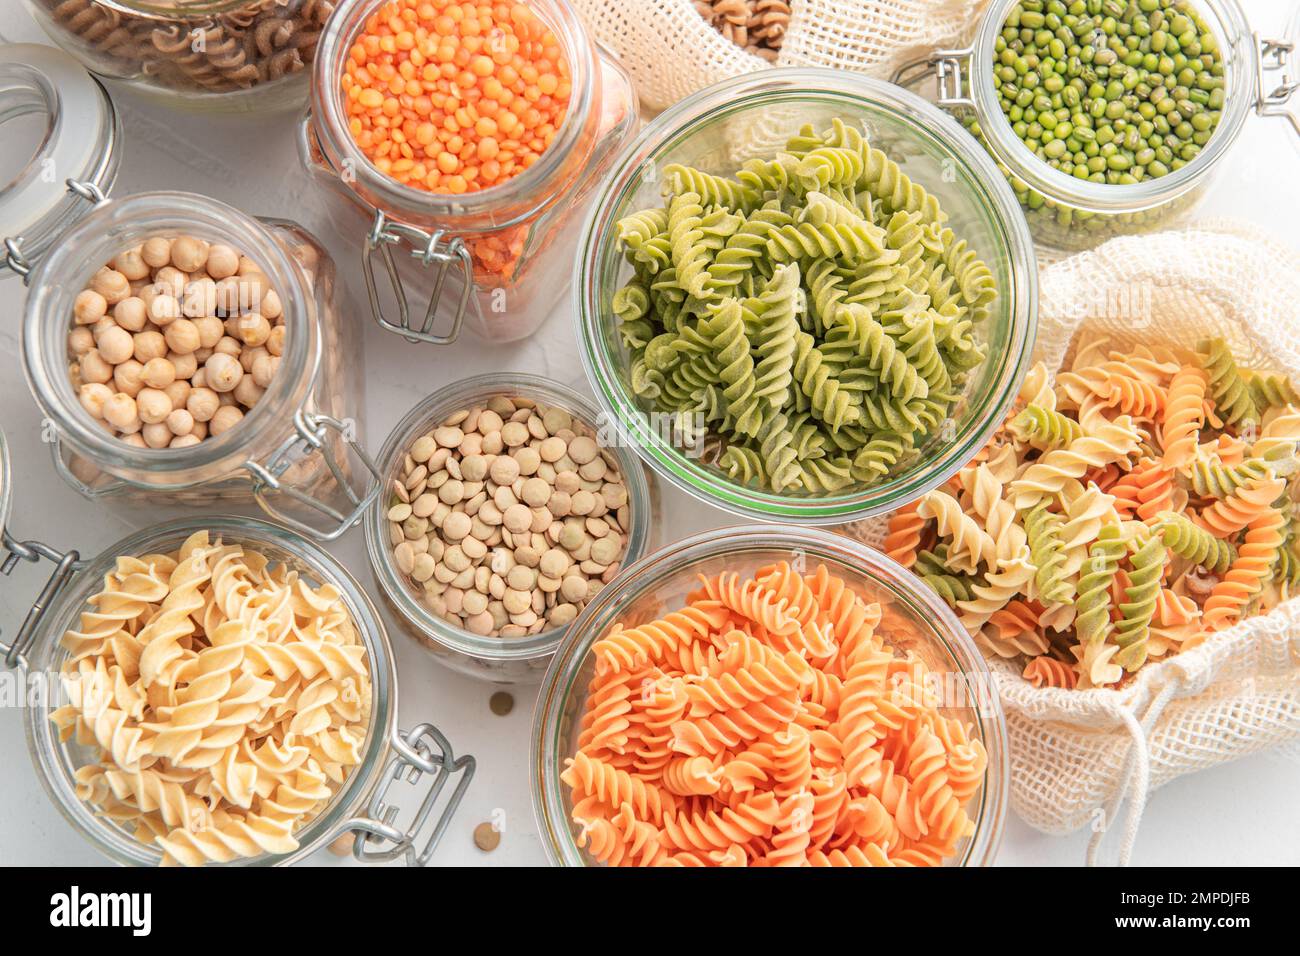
(1137, 768)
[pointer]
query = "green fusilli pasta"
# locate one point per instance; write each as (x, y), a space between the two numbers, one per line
(1197, 545)
(1047, 553)
(1232, 396)
(811, 310)
(1139, 604)
(1044, 428)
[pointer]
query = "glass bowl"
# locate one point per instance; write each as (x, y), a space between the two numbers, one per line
(502, 660)
(751, 116)
(914, 619)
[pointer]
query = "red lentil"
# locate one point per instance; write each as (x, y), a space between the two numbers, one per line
(455, 97)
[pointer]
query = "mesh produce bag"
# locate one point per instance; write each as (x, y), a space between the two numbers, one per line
(1078, 755)
(672, 51)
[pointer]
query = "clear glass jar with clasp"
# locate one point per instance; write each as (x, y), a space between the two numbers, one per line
(497, 259)
(366, 807)
(1066, 213)
(296, 450)
(221, 55)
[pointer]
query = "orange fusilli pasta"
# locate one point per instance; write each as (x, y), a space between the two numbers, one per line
(802, 739)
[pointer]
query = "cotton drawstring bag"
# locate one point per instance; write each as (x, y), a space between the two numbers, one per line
(1078, 756)
(672, 51)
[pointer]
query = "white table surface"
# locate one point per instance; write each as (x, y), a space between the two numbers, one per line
(1243, 813)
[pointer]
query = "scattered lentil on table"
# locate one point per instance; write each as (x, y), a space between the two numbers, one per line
(487, 837)
(509, 517)
(174, 340)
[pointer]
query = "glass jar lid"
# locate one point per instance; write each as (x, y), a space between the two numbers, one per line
(76, 157)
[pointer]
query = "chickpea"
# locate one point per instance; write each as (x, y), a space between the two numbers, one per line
(186, 365)
(202, 403)
(254, 329)
(94, 369)
(93, 397)
(131, 313)
(149, 345)
(200, 298)
(189, 253)
(180, 422)
(173, 280)
(115, 344)
(111, 284)
(106, 322)
(120, 411)
(128, 377)
(156, 252)
(135, 438)
(248, 267)
(226, 418)
(182, 336)
(163, 308)
(200, 430)
(179, 392)
(80, 341)
(89, 307)
(200, 378)
(130, 262)
(158, 373)
(252, 286)
(184, 441)
(228, 296)
(156, 435)
(247, 392)
(228, 346)
(152, 405)
(210, 329)
(275, 343)
(249, 357)
(223, 261)
(271, 306)
(264, 369)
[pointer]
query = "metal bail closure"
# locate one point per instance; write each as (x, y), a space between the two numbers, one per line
(311, 432)
(13, 254)
(1277, 56)
(948, 69)
(428, 249)
(64, 566)
(419, 753)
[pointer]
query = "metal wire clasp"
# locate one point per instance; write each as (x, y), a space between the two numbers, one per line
(1277, 56)
(310, 435)
(427, 249)
(65, 564)
(419, 753)
(13, 253)
(948, 69)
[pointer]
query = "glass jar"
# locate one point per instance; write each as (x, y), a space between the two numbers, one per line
(229, 55)
(296, 451)
(496, 659)
(421, 756)
(451, 244)
(717, 130)
(915, 620)
(1067, 214)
